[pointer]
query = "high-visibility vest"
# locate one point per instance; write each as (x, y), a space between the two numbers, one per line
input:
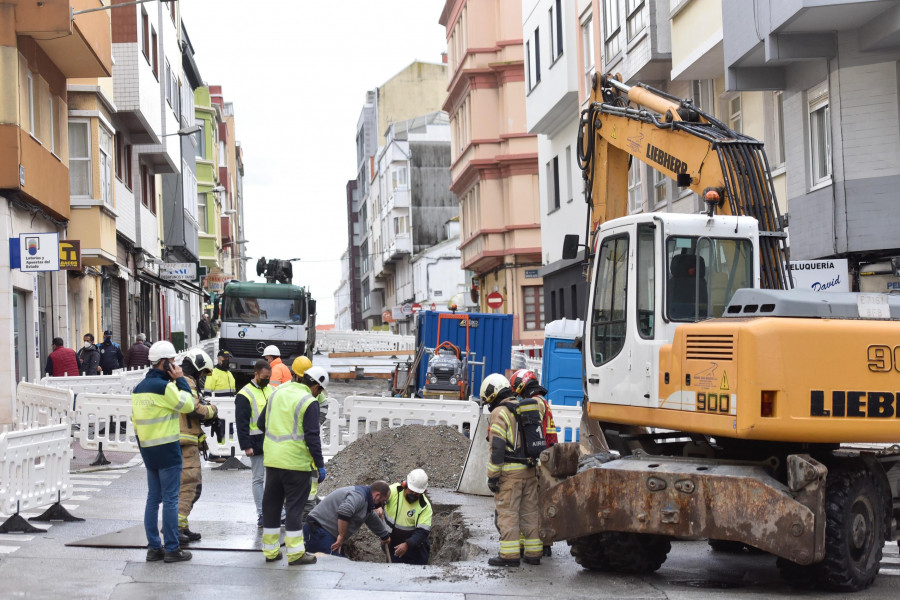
(284, 446)
(219, 383)
(155, 415)
(257, 397)
(280, 373)
(406, 516)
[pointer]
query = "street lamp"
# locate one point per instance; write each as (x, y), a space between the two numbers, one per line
(184, 131)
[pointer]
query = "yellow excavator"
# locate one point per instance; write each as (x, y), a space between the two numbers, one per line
(719, 403)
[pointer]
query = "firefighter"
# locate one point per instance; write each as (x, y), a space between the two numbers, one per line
(511, 477)
(155, 401)
(280, 372)
(248, 405)
(193, 442)
(408, 515)
(526, 385)
(292, 451)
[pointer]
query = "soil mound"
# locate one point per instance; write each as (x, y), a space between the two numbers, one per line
(391, 453)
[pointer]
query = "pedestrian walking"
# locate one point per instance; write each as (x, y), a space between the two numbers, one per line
(340, 515)
(193, 442)
(89, 356)
(280, 372)
(111, 356)
(248, 404)
(204, 327)
(408, 514)
(156, 402)
(511, 476)
(138, 355)
(62, 361)
(292, 451)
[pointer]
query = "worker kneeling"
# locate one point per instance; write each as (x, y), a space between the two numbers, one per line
(292, 450)
(408, 515)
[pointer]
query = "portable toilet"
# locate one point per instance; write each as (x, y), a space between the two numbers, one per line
(488, 337)
(562, 366)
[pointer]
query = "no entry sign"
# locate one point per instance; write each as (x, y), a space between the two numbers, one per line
(494, 299)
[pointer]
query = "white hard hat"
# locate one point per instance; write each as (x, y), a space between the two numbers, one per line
(318, 375)
(417, 481)
(161, 350)
(200, 360)
(491, 386)
(271, 351)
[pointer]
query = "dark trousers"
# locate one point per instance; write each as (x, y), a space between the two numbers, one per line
(285, 488)
(318, 539)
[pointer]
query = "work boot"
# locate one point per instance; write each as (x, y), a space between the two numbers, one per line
(178, 556)
(498, 561)
(155, 554)
(185, 536)
(548, 551)
(532, 560)
(304, 559)
(275, 558)
(259, 524)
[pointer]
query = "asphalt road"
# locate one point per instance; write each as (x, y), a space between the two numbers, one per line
(42, 566)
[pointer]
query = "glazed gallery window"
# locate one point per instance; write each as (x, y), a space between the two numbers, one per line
(533, 304)
(106, 167)
(79, 158)
(587, 43)
(819, 134)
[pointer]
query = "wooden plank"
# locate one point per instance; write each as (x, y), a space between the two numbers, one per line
(352, 376)
(372, 353)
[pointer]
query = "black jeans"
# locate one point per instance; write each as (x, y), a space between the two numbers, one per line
(287, 488)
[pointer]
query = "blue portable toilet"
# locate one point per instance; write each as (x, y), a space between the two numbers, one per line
(489, 339)
(562, 366)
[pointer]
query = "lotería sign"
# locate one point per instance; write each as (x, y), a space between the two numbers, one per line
(39, 251)
(178, 271)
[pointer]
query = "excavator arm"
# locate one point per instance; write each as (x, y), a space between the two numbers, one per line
(728, 169)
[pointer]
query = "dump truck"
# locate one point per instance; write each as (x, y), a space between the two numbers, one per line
(719, 403)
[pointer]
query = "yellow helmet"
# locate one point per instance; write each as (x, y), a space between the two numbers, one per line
(300, 365)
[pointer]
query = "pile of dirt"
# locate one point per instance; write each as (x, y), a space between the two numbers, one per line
(391, 453)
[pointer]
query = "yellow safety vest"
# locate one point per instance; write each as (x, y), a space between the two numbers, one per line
(400, 514)
(219, 383)
(284, 446)
(257, 397)
(155, 416)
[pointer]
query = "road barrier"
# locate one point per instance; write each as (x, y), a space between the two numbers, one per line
(105, 422)
(567, 420)
(362, 341)
(377, 412)
(39, 405)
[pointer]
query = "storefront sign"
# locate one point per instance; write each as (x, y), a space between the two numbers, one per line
(823, 275)
(387, 316)
(70, 255)
(215, 282)
(39, 252)
(179, 271)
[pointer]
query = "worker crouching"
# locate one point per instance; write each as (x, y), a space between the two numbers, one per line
(408, 514)
(292, 451)
(511, 476)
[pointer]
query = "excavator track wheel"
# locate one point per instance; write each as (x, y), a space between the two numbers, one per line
(633, 553)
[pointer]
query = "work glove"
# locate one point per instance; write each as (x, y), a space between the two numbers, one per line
(494, 484)
(322, 474)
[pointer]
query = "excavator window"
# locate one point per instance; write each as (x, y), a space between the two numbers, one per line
(646, 282)
(610, 295)
(703, 274)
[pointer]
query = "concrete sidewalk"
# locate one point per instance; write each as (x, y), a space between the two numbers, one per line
(42, 566)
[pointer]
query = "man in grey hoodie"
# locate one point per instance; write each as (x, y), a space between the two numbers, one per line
(341, 513)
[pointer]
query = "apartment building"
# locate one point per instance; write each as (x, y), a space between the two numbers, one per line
(494, 159)
(343, 314)
(209, 117)
(414, 205)
(230, 169)
(833, 68)
(41, 47)
(418, 89)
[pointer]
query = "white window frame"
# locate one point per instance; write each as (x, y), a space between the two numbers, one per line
(399, 177)
(660, 186)
(52, 124)
(202, 206)
(612, 22)
(528, 77)
(777, 156)
(569, 195)
(30, 77)
(636, 18)
(74, 158)
(818, 99)
(106, 167)
(703, 93)
(587, 43)
(635, 187)
(734, 116)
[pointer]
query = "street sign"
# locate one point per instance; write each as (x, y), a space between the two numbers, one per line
(433, 306)
(178, 271)
(39, 251)
(416, 307)
(387, 316)
(406, 309)
(70, 255)
(494, 300)
(531, 274)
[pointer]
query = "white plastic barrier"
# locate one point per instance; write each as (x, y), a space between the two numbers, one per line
(568, 422)
(40, 405)
(102, 418)
(333, 429)
(378, 411)
(34, 467)
(225, 406)
(362, 341)
(97, 384)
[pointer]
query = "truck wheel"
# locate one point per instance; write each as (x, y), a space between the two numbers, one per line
(588, 552)
(636, 553)
(854, 530)
(854, 533)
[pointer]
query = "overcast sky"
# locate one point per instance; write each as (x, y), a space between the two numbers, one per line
(297, 72)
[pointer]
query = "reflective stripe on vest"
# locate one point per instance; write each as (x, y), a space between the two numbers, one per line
(284, 446)
(155, 416)
(258, 400)
(398, 509)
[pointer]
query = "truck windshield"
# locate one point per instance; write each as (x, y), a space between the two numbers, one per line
(703, 274)
(263, 310)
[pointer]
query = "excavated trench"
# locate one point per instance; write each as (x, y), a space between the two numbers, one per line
(449, 540)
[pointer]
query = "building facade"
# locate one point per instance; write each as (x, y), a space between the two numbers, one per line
(494, 159)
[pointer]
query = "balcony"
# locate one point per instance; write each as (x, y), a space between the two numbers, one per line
(36, 172)
(401, 245)
(78, 48)
(792, 31)
(399, 198)
(225, 223)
